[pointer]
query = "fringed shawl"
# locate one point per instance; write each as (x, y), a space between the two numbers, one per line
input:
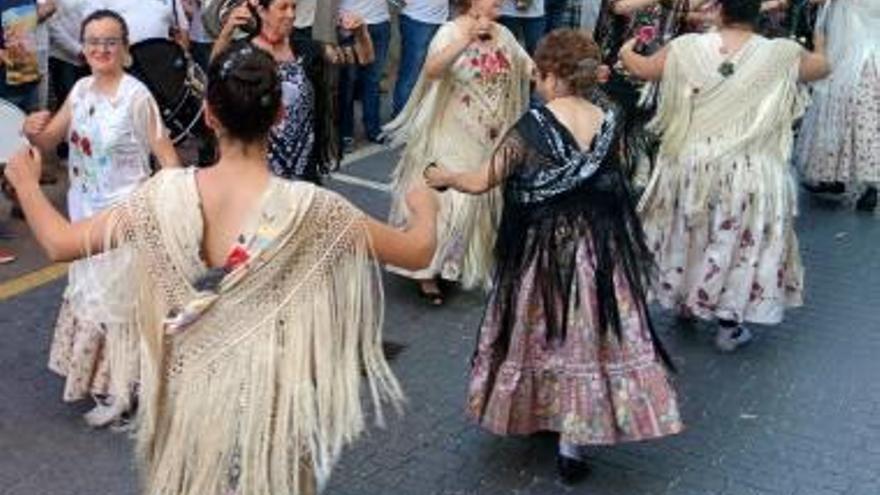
(853, 31)
(263, 388)
(752, 108)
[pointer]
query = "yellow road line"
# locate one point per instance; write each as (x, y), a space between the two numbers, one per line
(32, 280)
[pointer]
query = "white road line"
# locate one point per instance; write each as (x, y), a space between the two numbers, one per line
(357, 181)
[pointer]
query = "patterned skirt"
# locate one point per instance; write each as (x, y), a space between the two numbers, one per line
(591, 388)
(856, 160)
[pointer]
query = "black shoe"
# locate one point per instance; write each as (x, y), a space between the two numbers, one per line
(571, 470)
(826, 187)
(868, 201)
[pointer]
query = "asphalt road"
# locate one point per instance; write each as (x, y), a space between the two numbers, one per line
(796, 413)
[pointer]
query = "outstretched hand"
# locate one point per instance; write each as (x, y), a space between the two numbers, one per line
(437, 177)
(23, 170)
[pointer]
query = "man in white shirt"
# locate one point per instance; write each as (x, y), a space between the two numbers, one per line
(148, 19)
(305, 18)
(376, 16)
(65, 64)
(525, 19)
(419, 21)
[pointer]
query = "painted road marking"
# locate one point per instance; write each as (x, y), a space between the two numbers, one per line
(358, 181)
(32, 280)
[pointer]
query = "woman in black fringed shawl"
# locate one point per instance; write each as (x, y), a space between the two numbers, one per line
(654, 23)
(566, 344)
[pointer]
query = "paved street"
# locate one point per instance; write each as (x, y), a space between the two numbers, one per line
(795, 413)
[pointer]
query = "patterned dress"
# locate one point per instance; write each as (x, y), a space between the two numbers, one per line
(719, 210)
(840, 138)
(457, 121)
(292, 140)
(566, 344)
(109, 158)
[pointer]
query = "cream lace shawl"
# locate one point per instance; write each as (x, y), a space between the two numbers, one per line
(263, 389)
(752, 109)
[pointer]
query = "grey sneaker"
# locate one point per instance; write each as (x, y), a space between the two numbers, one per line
(728, 339)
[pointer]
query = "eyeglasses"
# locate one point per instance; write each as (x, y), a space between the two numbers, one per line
(106, 43)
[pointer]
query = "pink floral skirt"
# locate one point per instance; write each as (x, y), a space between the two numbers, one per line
(591, 388)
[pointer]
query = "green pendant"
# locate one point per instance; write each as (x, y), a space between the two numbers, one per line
(726, 69)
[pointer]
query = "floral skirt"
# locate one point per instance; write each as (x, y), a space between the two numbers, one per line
(592, 388)
(857, 157)
(733, 254)
(78, 353)
(96, 304)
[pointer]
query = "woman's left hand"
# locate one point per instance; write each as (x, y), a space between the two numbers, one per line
(437, 177)
(24, 169)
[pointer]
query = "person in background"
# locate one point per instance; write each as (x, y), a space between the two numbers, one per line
(46, 9)
(259, 303)
(19, 61)
(719, 210)
(305, 18)
(419, 22)
(200, 42)
(526, 20)
(566, 344)
(473, 87)
(151, 19)
(66, 65)
(112, 125)
(376, 16)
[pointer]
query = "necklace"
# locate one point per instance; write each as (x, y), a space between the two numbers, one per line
(727, 67)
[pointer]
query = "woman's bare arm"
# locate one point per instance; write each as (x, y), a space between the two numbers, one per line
(414, 247)
(648, 68)
(61, 239)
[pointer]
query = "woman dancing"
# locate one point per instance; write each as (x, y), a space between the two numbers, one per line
(112, 125)
(303, 145)
(838, 147)
(473, 87)
(566, 344)
(719, 210)
(258, 305)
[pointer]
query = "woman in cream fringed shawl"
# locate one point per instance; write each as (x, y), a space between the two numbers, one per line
(252, 356)
(719, 210)
(474, 86)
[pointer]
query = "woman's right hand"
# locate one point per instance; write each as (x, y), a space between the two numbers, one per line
(36, 123)
(239, 17)
(23, 170)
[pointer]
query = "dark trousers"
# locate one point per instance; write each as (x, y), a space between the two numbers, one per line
(415, 36)
(369, 76)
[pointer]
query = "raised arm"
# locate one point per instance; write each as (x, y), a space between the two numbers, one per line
(492, 173)
(439, 60)
(414, 247)
(62, 240)
(648, 68)
(240, 16)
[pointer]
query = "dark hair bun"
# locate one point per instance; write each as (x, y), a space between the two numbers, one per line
(244, 91)
(741, 11)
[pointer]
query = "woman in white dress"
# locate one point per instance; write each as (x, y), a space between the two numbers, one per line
(839, 145)
(719, 210)
(112, 125)
(473, 87)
